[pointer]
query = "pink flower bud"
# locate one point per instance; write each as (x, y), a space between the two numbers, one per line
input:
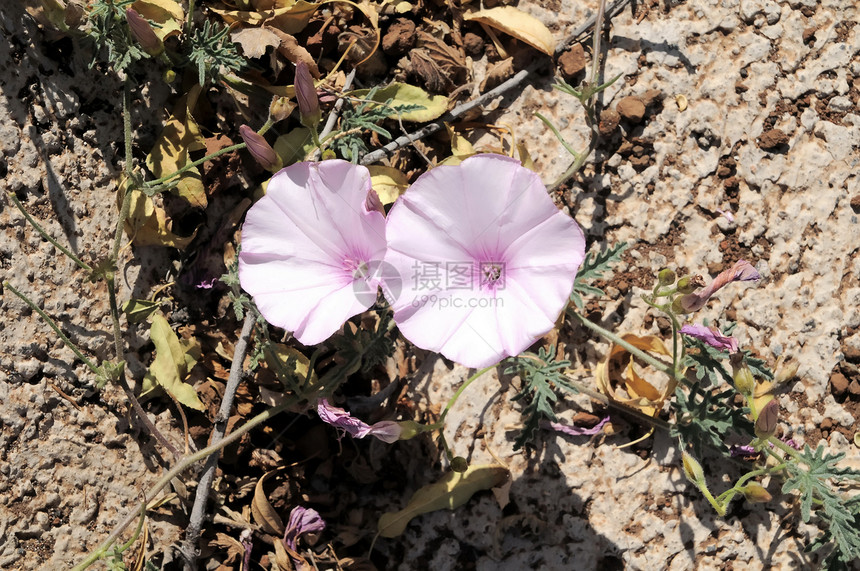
(306, 96)
(143, 33)
(765, 424)
(262, 152)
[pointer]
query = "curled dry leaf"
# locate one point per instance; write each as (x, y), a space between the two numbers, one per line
(498, 73)
(290, 19)
(262, 511)
(641, 394)
(290, 48)
(254, 41)
(235, 550)
(518, 24)
(168, 14)
(441, 66)
(452, 491)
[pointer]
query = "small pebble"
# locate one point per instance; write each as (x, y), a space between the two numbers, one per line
(572, 62)
(772, 139)
(609, 119)
(631, 108)
(838, 384)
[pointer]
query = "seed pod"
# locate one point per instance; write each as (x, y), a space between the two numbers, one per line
(755, 493)
(693, 470)
(768, 416)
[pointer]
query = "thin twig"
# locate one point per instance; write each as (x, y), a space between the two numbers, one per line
(180, 467)
(338, 105)
(198, 511)
(612, 10)
(431, 128)
(513, 82)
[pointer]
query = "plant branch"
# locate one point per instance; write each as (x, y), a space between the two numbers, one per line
(180, 467)
(53, 325)
(198, 511)
(45, 235)
(431, 128)
(656, 363)
(155, 186)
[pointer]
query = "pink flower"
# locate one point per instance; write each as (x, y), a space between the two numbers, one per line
(312, 246)
(574, 430)
(742, 271)
(711, 336)
(487, 261)
(387, 430)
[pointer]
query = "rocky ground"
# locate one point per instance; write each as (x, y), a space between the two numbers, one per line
(742, 107)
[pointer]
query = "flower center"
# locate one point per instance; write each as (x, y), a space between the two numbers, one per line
(358, 268)
(492, 274)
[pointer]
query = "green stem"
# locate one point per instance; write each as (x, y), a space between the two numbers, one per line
(785, 448)
(152, 186)
(114, 314)
(720, 508)
(190, 22)
(656, 363)
(53, 326)
(558, 136)
(180, 467)
(157, 185)
(140, 521)
(462, 388)
(45, 235)
(126, 126)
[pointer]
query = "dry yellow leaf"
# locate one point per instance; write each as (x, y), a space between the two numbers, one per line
(388, 182)
(168, 14)
(518, 24)
(254, 41)
(641, 394)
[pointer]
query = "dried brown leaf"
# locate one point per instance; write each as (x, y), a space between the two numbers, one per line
(290, 48)
(264, 514)
(441, 66)
(497, 74)
(254, 41)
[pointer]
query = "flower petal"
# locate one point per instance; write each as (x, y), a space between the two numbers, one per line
(302, 242)
(456, 224)
(712, 336)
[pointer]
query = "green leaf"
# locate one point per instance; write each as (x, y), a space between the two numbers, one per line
(137, 310)
(705, 362)
(174, 359)
(540, 373)
(452, 491)
(595, 264)
(705, 419)
(424, 107)
(294, 146)
(840, 516)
